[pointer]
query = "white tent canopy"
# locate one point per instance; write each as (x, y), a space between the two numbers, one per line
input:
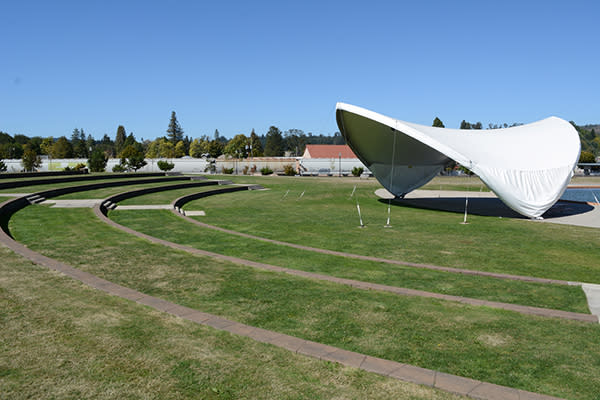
(527, 166)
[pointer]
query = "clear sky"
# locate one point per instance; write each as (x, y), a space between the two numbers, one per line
(239, 65)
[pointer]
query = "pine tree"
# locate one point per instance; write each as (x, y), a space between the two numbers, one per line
(256, 150)
(438, 123)
(274, 143)
(120, 139)
(174, 132)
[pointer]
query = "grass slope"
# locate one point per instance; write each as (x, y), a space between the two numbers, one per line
(167, 226)
(60, 339)
(543, 355)
(325, 216)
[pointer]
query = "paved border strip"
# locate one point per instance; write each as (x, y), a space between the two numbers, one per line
(185, 199)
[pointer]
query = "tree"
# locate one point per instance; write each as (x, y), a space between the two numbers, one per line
(438, 123)
(338, 138)
(62, 148)
(295, 141)
(166, 149)
(21, 139)
(174, 131)
(31, 160)
(186, 143)
(5, 138)
(236, 146)
(107, 146)
(46, 145)
(256, 149)
(35, 143)
(120, 139)
(180, 149)
(467, 125)
(78, 143)
(165, 165)
(215, 148)
(12, 151)
(153, 150)
(97, 161)
(132, 157)
(198, 147)
(89, 143)
(274, 143)
(587, 157)
(130, 140)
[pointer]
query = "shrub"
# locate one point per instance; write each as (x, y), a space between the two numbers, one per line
(266, 171)
(357, 171)
(289, 170)
(228, 171)
(253, 169)
(2, 166)
(80, 166)
(165, 165)
(245, 170)
(119, 168)
(97, 161)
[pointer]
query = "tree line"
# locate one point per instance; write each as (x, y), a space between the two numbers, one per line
(172, 145)
(175, 145)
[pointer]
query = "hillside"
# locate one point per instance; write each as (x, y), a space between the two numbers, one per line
(590, 138)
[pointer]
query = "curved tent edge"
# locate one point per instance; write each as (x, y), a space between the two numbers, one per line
(528, 192)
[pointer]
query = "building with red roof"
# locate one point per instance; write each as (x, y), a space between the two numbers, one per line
(328, 151)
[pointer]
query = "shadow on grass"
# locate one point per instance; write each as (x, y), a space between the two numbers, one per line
(489, 207)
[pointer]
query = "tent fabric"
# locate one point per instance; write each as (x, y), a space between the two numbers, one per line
(528, 166)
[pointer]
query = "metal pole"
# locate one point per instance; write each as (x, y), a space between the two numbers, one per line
(340, 166)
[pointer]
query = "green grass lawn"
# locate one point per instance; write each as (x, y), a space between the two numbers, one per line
(167, 226)
(60, 339)
(325, 216)
(468, 183)
(543, 355)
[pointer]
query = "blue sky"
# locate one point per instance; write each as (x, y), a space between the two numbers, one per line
(238, 65)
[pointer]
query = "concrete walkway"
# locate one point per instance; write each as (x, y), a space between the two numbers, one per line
(15, 194)
(590, 219)
(84, 203)
(90, 203)
(145, 207)
(592, 292)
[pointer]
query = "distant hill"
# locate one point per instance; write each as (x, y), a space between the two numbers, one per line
(595, 127)
(590, 138)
